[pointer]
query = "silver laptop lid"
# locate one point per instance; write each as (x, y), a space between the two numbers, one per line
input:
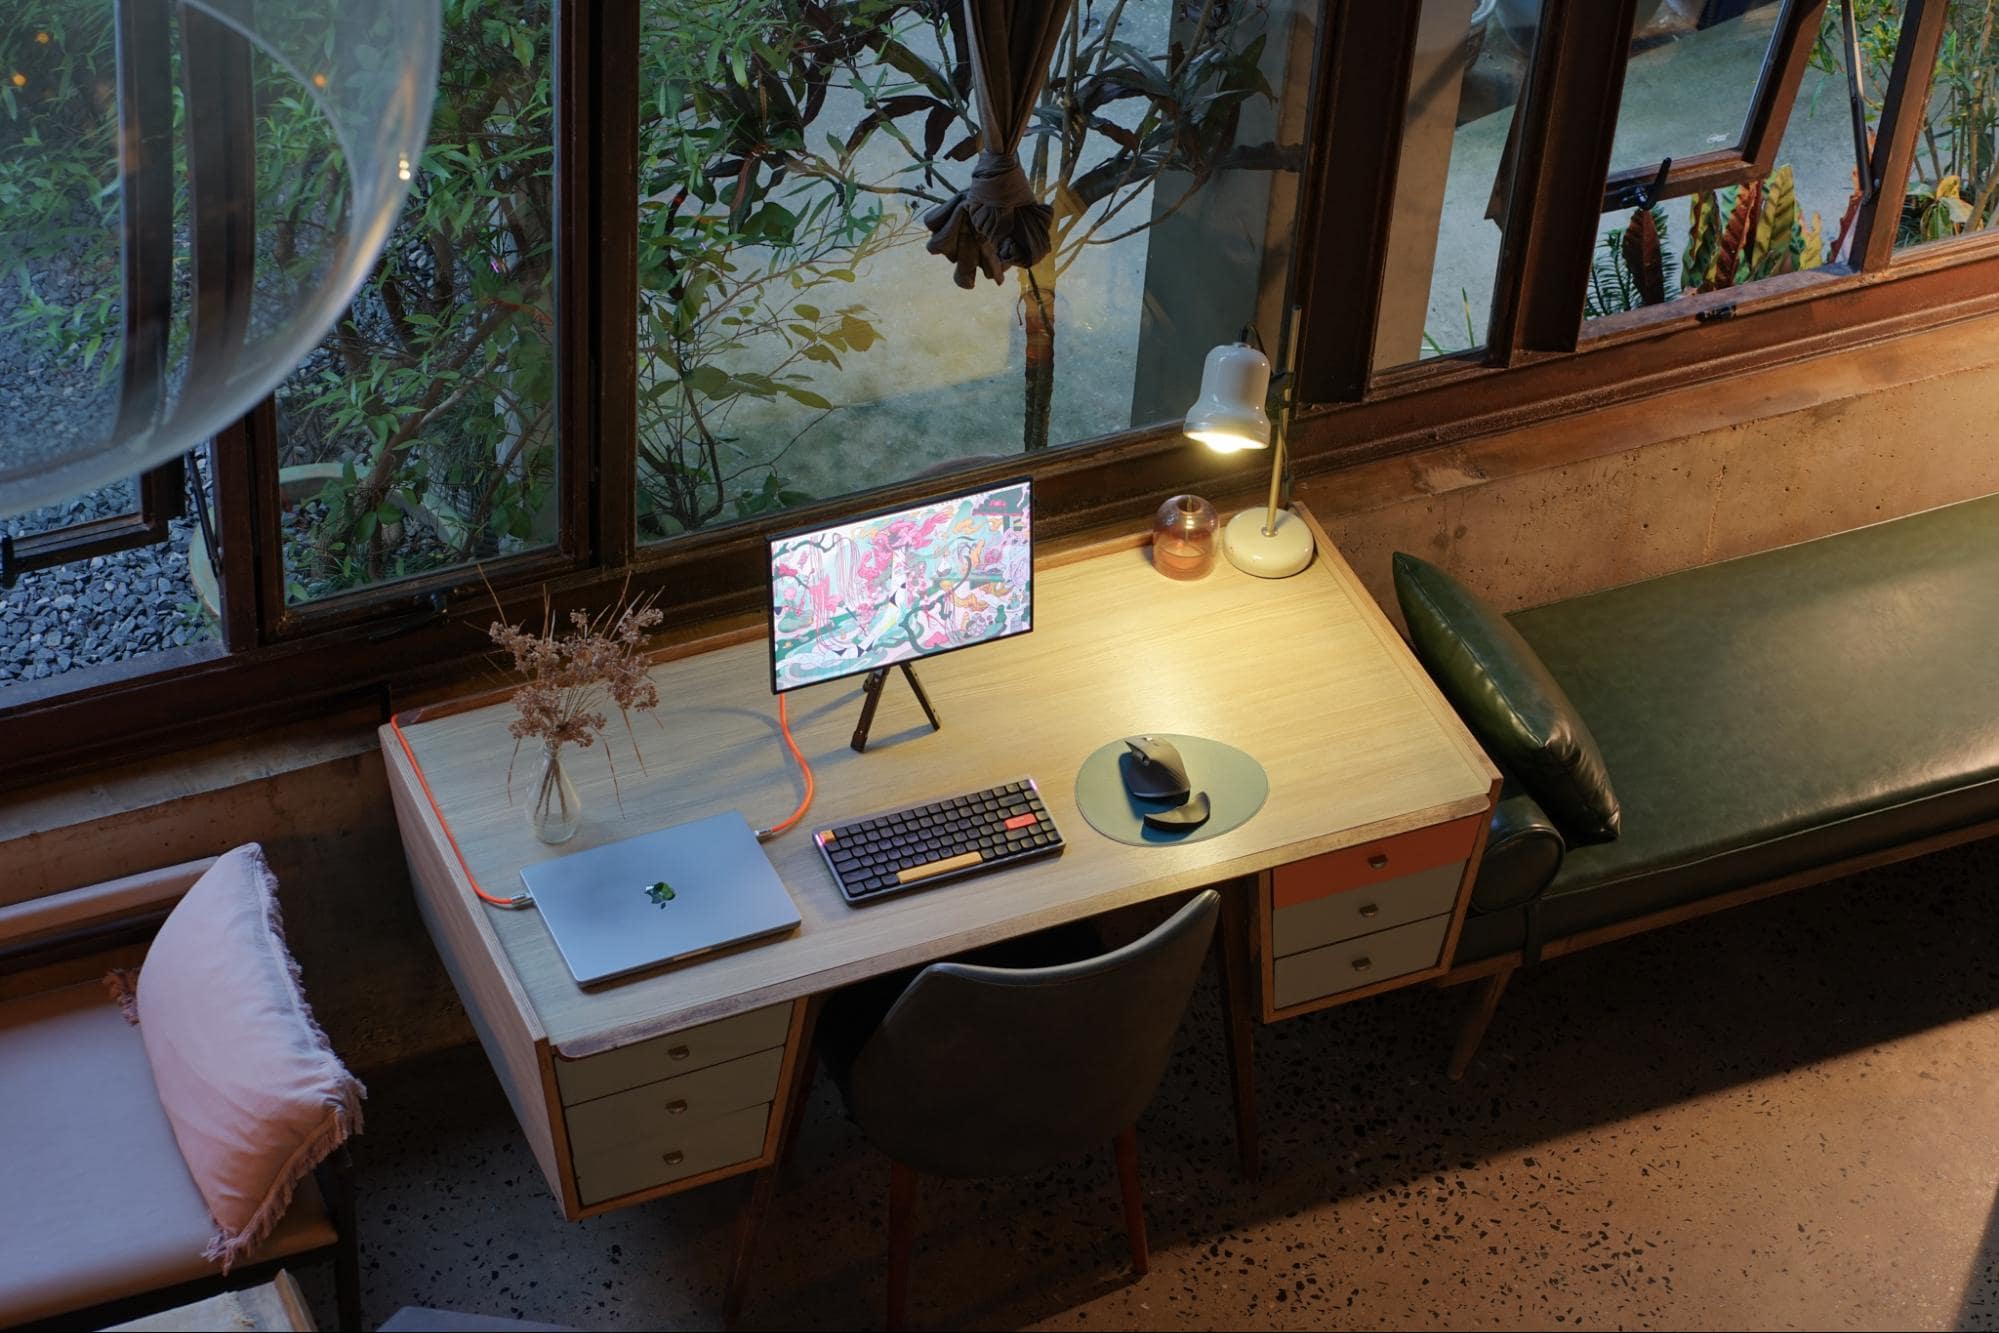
(660, 897)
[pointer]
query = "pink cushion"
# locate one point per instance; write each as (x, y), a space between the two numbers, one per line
(255, 1095)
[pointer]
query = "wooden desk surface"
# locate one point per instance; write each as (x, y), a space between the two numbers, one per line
(1304, 673)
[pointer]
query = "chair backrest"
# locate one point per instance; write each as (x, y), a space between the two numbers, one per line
(981, 1071)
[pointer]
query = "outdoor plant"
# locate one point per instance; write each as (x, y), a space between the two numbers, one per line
(784, 145)
(1954, 183)
(1114, 124)
(1735, 235)
(436, 386)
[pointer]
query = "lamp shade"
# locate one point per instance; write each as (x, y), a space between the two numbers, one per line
(192, 237)
(1229, 414)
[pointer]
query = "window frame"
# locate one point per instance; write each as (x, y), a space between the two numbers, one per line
(1792, 38)
(378, 649)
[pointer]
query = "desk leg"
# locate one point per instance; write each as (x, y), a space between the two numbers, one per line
(1235, 961)
(790, 1106)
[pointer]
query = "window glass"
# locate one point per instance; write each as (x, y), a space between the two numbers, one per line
(61, 347)
(1954, 182)
(1798, 217)
(420, 433)
(1692, 73)
(796, 340)
(115, 607)
(1450, 190)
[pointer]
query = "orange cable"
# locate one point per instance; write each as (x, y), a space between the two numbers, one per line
(784, 725)
(395, 725)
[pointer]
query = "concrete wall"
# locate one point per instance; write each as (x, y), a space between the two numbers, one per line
(1527, 517)
(1645, 489)
(320, 807)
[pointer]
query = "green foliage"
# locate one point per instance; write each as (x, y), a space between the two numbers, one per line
(783, 145)
(1954, 184)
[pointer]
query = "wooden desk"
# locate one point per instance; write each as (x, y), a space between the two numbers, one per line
(1304, 673)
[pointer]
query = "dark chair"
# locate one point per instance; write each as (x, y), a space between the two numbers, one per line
(996, 1071)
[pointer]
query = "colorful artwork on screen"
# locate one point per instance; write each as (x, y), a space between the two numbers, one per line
(898, 586)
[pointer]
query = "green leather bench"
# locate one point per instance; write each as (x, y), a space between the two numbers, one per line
(1765, 723)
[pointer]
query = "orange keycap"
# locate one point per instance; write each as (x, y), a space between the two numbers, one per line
(1022, 821)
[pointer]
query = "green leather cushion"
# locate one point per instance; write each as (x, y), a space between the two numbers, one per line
(1509, 700)
(1778, 712)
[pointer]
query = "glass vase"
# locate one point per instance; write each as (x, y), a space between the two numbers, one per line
(1183, 537)
(557, 810)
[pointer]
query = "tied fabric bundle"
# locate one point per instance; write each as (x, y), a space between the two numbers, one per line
(992, 224)
(995, 222)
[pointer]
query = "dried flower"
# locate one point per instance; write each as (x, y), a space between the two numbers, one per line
(570, 676)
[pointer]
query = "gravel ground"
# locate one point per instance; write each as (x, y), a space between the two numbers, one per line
(104, 609)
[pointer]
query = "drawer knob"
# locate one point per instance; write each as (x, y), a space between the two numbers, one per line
(1379, 861)
(1362, 964)
(1370, 910)
(674, 1158)
(676, 1106)
(678, 1053)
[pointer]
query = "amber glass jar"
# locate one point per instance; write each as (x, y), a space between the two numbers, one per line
(1183, 537)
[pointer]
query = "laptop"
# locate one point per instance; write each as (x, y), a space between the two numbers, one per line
(660, 897)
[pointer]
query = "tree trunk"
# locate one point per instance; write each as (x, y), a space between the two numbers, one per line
(1037, 303)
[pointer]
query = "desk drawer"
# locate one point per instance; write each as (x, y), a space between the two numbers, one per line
(674, 1054)
(675, 1103)
(669, 1153)
(1362, 962)
(1374, 862)
(1363, 911)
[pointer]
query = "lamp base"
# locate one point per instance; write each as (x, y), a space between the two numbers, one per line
(1278, 554)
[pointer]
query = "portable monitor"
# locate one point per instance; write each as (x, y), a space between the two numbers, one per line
(889, 588)
(660, 897)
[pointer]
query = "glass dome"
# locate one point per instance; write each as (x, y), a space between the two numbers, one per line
(190, 194)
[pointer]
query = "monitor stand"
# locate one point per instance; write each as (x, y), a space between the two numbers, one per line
(872, 689)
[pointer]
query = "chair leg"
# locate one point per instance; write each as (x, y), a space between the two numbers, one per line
(1478, 1016)
(1134, 1201)
(901, 1240)
(336, 1182)
(1234, 949)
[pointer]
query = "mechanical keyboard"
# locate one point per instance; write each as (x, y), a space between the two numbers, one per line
(938, 842)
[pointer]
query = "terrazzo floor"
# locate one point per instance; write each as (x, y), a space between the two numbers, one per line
(1783, 1116)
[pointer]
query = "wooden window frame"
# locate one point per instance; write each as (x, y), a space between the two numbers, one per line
(378, 649)
(1755, 157)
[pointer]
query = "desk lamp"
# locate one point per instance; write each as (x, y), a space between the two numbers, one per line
(1229, 417)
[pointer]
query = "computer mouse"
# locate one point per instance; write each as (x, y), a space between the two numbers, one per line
(1153, 770)
(1181, 818)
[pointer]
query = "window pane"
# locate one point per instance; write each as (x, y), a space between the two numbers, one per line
(1799, 217)
(1692, 73)
(796, 339)
(1443, 247)
(107, 608)
(1954, 184)
(61, 317)
(118, 500)
(419, 434)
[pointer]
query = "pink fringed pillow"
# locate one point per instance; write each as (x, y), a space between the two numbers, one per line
(256, 1095)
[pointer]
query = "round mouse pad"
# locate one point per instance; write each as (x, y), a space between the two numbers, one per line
(1236, 785)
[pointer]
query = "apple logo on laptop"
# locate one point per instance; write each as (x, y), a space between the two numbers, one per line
(661, 893)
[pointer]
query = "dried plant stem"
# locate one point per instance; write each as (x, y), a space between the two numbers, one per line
(552, 798)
